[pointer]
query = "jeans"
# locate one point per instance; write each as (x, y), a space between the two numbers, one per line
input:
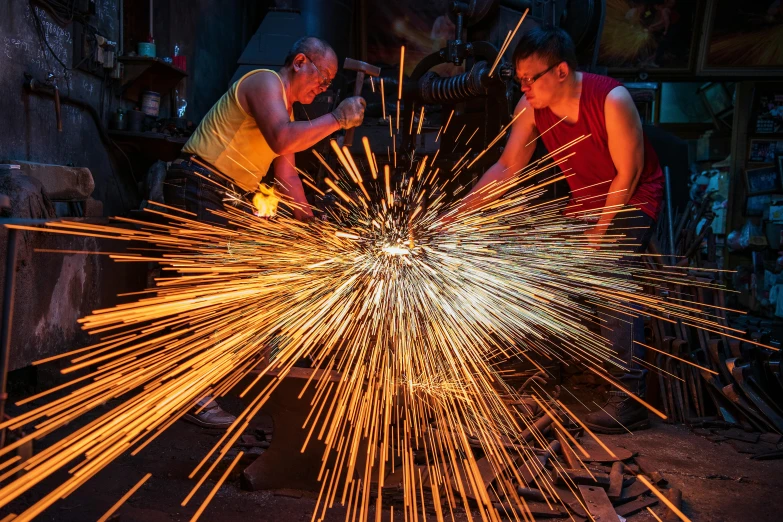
(186, 190)
(622, 330)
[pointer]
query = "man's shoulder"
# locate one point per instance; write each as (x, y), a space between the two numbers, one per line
(619, 97)
(599, 78)
(522, 104)
(264, 79)
(598, 85)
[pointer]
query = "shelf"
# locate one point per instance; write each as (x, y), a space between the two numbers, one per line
(154, 145)
(142, 73)
(771, 136)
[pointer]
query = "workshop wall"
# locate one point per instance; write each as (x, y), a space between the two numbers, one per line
(54, 289)
(29, 129)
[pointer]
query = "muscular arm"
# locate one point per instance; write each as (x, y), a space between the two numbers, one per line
(515, 156)
(261, 95)
(291, 187)
(626, 147)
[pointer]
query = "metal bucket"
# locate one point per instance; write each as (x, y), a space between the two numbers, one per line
(150, 103)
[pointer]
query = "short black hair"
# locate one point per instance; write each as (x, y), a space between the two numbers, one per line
(551, 44)
(310, 46)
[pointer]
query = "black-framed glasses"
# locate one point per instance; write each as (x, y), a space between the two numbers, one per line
(325, 81)
(530, 80)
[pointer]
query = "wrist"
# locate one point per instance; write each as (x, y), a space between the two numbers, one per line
(337, 120)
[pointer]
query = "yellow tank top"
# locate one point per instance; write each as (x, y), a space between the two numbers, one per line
(231, 141)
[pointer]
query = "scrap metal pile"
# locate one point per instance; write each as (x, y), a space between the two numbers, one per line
(568, 473)
(713, 378)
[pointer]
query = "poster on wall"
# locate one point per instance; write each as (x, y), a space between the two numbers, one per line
(743, 38)
(650, 35)
(764, 151)
(768, 112)
(763, 180)
(422, 27)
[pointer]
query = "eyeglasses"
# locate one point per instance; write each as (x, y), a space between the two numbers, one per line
(325, 81)
(528, 81)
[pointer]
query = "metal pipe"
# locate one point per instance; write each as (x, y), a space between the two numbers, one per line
(475, 83)
(669, 215)
(598, 35)
(5, 326)
(458, 31)
(121, 46)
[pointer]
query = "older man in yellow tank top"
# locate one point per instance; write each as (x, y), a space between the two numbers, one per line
(249, 129)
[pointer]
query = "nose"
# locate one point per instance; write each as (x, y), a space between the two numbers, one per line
(525, 88)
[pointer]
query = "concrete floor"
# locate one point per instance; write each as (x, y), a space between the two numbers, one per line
(718, 484)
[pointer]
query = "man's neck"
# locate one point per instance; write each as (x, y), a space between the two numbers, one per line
(286, 75)
(567, 103)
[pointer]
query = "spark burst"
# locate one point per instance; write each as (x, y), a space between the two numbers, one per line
(412, 313)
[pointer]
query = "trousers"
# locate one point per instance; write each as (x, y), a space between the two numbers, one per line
(186, 190)
(619, 329)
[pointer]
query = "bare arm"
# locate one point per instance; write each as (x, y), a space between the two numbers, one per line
(515, 156)
(291, 186)
(626, 147)
(261, 95)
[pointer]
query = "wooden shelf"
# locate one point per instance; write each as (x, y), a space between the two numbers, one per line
(771, 136)
(142, 73)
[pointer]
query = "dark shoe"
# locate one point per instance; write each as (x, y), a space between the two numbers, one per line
(213, 416)
(624, 409)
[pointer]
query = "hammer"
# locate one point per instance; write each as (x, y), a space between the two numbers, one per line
(361, 69)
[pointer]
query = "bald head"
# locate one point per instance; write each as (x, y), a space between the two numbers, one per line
(310, 67)
(312, 47)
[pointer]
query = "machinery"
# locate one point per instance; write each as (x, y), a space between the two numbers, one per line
(479, 100)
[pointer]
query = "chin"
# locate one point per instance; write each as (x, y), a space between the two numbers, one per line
(310, 98)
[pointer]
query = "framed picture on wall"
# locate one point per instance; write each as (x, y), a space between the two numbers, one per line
(658, 36)
(717, 99)
(763, 180)
(422, 27)
(767, 109)
(764, 151)
(743, 38)
(646, 97)
(756, 205)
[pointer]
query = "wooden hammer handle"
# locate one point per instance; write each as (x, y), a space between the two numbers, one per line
(357, 91)
(57, 111)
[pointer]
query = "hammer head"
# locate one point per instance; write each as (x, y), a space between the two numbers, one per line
(356, 65)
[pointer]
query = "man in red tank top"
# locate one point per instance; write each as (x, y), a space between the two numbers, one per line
(614, 168)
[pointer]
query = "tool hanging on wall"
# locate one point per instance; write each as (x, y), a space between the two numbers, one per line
(51, 79)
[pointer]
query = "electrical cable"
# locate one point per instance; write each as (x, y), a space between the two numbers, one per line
(61, 12)
(42, 37)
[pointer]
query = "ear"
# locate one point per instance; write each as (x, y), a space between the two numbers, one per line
(562, 71)
(299, 61)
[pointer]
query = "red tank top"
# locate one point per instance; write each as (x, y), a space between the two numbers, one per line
(592, 164)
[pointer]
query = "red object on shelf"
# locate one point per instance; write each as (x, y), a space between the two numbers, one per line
(180, 62)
